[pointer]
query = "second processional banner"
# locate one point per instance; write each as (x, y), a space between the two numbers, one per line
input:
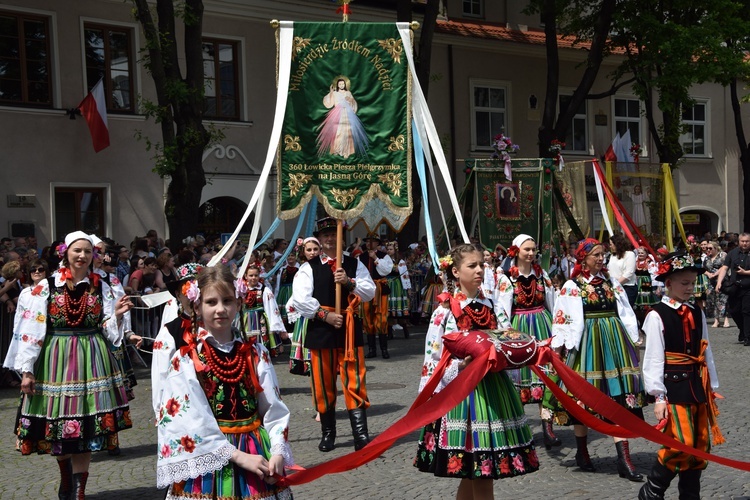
(346, 135)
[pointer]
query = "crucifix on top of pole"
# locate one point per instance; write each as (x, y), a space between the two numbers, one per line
(344, 9)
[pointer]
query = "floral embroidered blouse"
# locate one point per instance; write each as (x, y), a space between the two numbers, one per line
(262, 298)
(583, 295)
(190, 441)
(442, 322)
(508, 293)
(41, 307)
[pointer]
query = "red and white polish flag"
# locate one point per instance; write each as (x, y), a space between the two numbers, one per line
(94, 111)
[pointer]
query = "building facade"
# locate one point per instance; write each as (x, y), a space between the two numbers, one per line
(488, 71)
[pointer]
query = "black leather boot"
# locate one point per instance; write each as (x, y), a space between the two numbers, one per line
(583, 460)
(384, 346)
(371, 353)
(328, 426)
(689, 485)
(625, 467)
(358, 419)
(657, 483)
(390, 332)
(66, 479)
(550, 439)
(406, 331)
(79, 485)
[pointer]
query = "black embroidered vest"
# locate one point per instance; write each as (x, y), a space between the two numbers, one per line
(683, 382)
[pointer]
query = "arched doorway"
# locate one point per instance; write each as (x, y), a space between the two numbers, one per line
(699, 221)
(222, 214)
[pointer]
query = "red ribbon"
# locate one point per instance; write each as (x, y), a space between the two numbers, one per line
(688, 323)
(428, 407)
(455, 303)
(190, 349)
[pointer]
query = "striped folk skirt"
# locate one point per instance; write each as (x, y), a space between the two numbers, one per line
(536, 322)
(233, 482)
(486, 436)
(79, 404)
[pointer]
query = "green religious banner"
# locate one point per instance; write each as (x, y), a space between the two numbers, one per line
(508, 207)
(346, 136)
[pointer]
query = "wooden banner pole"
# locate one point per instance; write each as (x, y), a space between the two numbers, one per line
(339, 259)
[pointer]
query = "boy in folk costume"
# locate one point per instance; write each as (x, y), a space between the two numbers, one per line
(679, 371)
(335, 340)
(375, 312)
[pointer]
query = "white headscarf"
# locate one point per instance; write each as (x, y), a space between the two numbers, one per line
(70, 238)
(521, 239)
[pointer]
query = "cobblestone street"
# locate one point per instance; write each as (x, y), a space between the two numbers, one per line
(392, 386)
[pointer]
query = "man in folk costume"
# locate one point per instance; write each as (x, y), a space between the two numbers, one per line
(335, 340)
(375, 313)
(679, 371)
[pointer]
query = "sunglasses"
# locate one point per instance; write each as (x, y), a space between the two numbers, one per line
(38, 270)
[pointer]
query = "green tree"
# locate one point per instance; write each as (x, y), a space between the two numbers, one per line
(178, 108)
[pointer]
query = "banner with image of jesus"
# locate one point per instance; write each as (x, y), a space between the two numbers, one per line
(346, 136)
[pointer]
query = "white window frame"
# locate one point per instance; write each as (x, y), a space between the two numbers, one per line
(242, 78)
(81, 185)
(706, 129)
(496, 84)
(479, 3)
(640, 120)
(586, 123)
(54, 67)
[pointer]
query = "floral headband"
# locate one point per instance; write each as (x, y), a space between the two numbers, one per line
(585, 247)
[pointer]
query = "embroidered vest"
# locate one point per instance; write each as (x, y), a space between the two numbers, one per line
(683, 382)
(321, 335)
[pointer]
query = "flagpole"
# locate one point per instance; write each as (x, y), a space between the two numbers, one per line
(339, 259)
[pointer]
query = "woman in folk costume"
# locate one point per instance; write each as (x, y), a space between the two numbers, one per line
(527, 297)
(284, 282)
(593, 320)
(645, 267)
(299, 358)
(679, 372)
(486, 436)
(400, 284)
(73, 394)
(261, 313)
(221, 425)
(489, 280)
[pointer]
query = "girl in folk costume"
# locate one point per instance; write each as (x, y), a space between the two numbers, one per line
(222, 427)
(299, 358)
(486, 436)
(645, 267)
(261, 313)
(489, 279)
(73, 394)
(527, 297)
(176, 333)
(400, 284)
(284, 283)
(679, 371)
(593, 320)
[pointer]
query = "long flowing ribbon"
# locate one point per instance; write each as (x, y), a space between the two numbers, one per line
(421, 113)
(602, 203)
(428, 407)
(425, 197)
(286, 33)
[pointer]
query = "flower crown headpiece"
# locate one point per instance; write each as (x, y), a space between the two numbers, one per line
(676, 262)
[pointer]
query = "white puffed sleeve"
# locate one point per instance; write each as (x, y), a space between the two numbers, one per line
(190, 443)
(29, 328)
(272, 311)
(111, 328)
(403, 272)
(441, 322)
(653, 357)
(550, 294)
(163, 350)
(502, 297)
(271, 408)
(625, 311)
(567, 317)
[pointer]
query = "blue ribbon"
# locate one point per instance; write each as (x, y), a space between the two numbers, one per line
(419, 156)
